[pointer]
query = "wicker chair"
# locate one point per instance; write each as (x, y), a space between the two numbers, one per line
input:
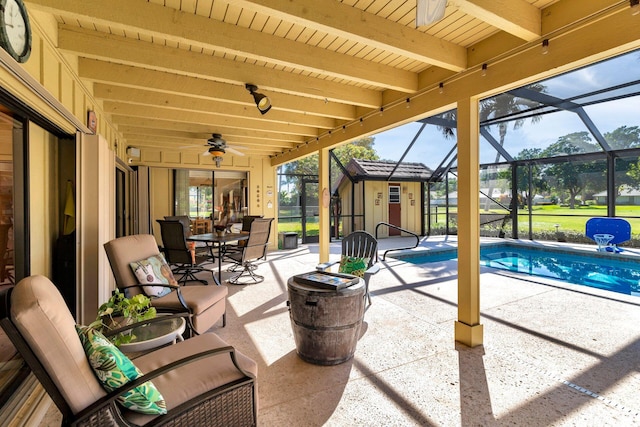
(359, 244)
(203, 380)
(206, 304)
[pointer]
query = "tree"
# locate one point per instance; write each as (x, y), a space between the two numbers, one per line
(621, 138)
(359, 149)
(538, 184)
(500, 106)
(569, 175)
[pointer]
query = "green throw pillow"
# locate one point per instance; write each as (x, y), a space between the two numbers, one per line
(114, 370)
(353, 265)
(154, 270)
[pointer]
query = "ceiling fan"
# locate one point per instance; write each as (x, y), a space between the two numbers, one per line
(217, 148)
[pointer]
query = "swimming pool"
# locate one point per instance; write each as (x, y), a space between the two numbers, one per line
(598, 270)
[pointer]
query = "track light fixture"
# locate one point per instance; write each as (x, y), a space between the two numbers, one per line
(262, 101)
(635, 6)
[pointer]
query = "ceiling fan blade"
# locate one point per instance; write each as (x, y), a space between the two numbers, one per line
(234, 151)
(206, 153)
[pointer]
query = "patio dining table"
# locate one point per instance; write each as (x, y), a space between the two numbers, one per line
(219, 242)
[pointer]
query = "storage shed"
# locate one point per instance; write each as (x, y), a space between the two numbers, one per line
(381, 191)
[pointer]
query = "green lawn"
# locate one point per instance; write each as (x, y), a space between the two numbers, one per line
(568, 221)
(545, 218)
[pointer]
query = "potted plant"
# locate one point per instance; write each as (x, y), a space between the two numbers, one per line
(120, 311)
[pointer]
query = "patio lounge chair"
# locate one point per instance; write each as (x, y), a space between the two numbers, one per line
(206, 304)
(358, 246)
(608, 233)
(203, 380)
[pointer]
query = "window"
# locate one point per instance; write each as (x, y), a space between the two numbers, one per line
(394, 194)
(221, 196)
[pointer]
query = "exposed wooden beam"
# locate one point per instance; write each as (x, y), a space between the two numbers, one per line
(353, 24)
(212, 120)
(586, 43)
(145, 143)
(516, 17)
(145, 97)
(171, 125)
(190, 29)
(201, 138)
(124, 75)
(112, 48)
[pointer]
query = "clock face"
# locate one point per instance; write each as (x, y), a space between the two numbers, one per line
(15, 31)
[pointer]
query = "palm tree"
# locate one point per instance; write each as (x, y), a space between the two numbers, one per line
(504, 105)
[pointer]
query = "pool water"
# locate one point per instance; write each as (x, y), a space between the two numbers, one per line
(597, 270)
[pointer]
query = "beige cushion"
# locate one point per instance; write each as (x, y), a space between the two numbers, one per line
(198, 297)
(207, 303)
(126, 249)
(189, 381)
(41, 315)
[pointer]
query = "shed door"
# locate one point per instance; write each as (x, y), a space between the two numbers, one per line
(394, 209)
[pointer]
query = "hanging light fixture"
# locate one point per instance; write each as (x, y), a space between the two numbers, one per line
(262, 101)
(217, 153)
(216, 148)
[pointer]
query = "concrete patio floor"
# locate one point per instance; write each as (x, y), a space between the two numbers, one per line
(554, 354)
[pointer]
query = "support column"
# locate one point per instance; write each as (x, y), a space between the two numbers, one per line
(468, 329)
(324, 199)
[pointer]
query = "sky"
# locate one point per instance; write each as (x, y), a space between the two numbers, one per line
(431, 147)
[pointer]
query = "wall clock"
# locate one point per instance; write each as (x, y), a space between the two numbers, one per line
(15, 30)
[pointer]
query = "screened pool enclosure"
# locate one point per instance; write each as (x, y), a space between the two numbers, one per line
(553, 154)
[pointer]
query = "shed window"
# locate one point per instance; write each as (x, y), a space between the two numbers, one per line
(394, 194)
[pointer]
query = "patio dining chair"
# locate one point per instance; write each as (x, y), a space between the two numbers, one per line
(197, 382)
(246, 228)
(359, 257)
(254, 250)
(185, 262)
(206, 304)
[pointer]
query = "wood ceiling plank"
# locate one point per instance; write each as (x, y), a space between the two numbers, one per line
(124, 75)
(177, 26)
(202, 137)
(352, 24)
(171, 125)
(185, 103)
(213, 120)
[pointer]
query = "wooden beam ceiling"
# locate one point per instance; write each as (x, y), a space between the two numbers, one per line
(169, 74)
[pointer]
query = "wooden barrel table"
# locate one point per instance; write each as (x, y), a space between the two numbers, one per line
(326, 323)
